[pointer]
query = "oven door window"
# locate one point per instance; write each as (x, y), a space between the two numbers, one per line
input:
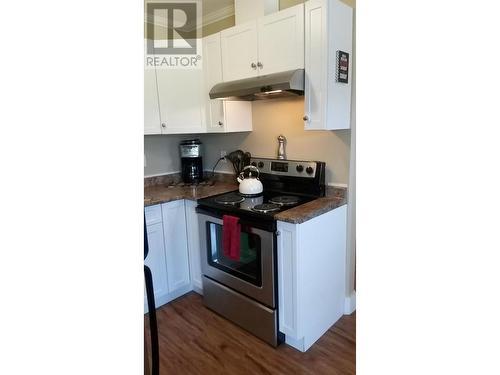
(248, 267)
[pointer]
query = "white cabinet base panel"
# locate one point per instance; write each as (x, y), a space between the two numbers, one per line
(311, 276)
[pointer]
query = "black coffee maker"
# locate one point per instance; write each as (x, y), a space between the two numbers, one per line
(191, 161)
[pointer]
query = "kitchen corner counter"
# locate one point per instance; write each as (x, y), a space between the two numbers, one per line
(335, 197)
(164, 189)
(162, 193)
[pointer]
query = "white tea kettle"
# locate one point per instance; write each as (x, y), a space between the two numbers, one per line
(250, 185)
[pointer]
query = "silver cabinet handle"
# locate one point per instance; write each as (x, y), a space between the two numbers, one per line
(305, 118)
(163, 125)
(253, 66)
(220, 123)
(259, 64)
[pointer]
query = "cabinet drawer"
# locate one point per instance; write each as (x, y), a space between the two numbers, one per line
(153, 214)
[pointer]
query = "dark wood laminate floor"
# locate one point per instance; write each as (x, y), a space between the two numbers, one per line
(195, 340)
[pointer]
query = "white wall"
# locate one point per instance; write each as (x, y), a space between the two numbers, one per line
(162, 154)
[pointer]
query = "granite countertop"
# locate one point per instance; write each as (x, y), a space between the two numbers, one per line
(163, 193)
(335, 197)
(168, 188)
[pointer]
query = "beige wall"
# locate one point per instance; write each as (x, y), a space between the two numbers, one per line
(270, 119)
(229, 21)
(284, 116)
(290, 3)
(215, 27)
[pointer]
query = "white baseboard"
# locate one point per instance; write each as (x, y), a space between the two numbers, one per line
(350, 304)
(198, 290)
(294, 343)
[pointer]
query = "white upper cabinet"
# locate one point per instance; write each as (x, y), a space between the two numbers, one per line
(281, 40)
(221, 115)
(328, 29)
(212, 66)
(315, 75)
(152, 122)
(173, 101)
(273, 43)
(180, 94)
(239, 51)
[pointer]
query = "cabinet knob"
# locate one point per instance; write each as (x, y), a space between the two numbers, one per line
(253, 65)
(305, 118)
(163, 125)
(259, 64)
(220, 123)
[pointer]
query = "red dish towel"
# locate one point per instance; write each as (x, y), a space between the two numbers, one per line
(231, 230)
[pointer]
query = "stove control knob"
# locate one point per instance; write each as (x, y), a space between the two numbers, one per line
(261, 164)
(309, 170)
(299, 168)
(254, 163)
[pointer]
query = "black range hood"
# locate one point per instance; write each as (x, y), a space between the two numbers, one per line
(277, 85)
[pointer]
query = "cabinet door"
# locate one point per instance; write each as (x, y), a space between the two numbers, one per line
(239, 51)
(193, 239)
(281, 40)
(152, 122)
(157, 263)
(315, 65)
(287, 279)
(176, 250)
(212, 65)
(180, 94)
(238, 116)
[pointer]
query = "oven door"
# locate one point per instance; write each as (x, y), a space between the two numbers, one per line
(253, 273)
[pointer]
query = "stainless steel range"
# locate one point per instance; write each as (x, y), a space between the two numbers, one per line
(238, 243)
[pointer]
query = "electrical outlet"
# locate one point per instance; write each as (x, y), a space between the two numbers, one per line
(223, 153)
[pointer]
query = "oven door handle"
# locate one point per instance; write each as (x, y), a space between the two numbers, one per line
(207, 218)
(267, 227)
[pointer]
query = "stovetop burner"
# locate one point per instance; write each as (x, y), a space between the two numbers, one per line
(285, 200)
(266, 207)
(267, 204)
(231, 199)
(286, 184)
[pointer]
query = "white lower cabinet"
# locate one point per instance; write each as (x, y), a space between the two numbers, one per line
(168, 256)
(193, 241)
(311, 276)
(174, 230)
(157, 264)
